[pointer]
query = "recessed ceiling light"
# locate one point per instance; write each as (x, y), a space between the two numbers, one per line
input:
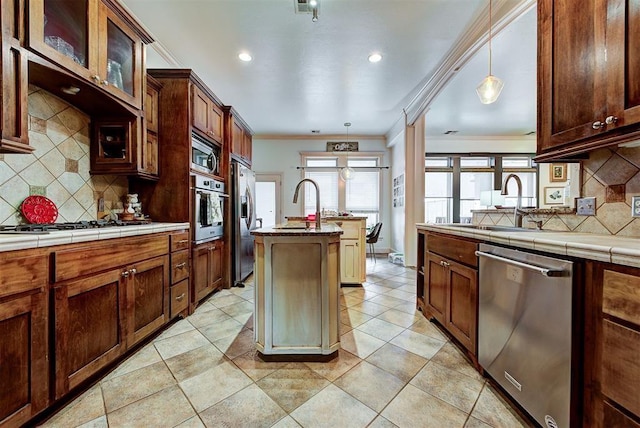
(315, 131)
(375, 57)
(244, 56)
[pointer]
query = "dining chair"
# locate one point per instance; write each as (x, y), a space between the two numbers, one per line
(372, 238)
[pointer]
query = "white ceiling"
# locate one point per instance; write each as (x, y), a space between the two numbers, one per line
(308, 75)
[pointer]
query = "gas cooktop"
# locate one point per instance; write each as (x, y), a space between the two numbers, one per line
(93, 224)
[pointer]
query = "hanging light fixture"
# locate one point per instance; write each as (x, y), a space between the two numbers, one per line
(489, 89)
(347, 172)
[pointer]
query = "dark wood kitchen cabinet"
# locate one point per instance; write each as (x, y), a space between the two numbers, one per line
(147, 287)
(207, 115)
(149, 150)
(588, 75)
(180, 271)
(14, 132)
(183, 112)
(171, 198)
(612, 346)
(106, 301)
(447, 285)
(24, 355)
(97, 40)
(129, 146)
(207, 269)
(239, 139)
(89, 327)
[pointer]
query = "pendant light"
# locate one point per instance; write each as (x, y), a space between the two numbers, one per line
(347, 172)
(489, 89)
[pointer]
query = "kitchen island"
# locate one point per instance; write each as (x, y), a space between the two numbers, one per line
(297, 285)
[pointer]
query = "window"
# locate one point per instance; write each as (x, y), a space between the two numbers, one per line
(453, 184)
(438, 201)
(359, 196)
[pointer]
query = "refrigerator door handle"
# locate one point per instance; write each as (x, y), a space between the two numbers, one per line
(249, 219)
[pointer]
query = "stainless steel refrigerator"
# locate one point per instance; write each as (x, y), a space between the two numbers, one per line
(244, 220)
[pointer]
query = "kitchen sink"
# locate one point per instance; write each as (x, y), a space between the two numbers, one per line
(291, 226)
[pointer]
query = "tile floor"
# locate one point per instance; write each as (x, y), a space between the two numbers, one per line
(394, 369)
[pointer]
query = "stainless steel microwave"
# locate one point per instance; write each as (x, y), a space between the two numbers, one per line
(204, 156)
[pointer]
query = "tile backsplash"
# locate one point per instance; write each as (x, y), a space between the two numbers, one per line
(612, 176)
(58, 168)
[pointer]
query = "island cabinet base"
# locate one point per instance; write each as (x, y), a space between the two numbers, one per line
(297, 283)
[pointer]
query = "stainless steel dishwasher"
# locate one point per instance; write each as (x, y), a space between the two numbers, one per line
(524, 329)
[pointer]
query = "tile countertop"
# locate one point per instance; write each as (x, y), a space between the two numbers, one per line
(330, 218)
(606, 248)
(283, 230)
(10, 242)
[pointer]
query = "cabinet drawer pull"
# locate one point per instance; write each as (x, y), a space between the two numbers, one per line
(105, 82)
(125, 273)
(132, 271)
(597, 125)
(96, 78)
(610, 120)
(181, 265)
(180, 297)
(443, 263)
(182, 241)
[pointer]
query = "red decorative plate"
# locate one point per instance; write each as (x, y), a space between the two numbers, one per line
(39, 210)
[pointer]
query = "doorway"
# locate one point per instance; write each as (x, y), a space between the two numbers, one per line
(268, 199)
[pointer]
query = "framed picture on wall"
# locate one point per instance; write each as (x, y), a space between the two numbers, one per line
(558, 172)
(553, 195)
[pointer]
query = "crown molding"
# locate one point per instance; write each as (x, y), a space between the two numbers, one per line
(321, 137)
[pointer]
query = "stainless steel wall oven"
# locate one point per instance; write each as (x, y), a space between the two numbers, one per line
(209, 197)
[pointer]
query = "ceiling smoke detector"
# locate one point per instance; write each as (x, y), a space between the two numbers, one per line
(450, 132)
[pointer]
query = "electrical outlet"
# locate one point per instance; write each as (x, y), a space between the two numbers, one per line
(635, 206)
(586, 206)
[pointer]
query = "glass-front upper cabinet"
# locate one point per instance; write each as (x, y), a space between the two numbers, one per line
(121, 59)
(91, 40)
(61, 31)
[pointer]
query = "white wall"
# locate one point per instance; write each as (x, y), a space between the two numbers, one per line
(572, 179)
(483, 144)
(397, 148)
(283, 156)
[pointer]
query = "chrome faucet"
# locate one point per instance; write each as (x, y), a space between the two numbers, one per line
(295, 199)
(517, 212)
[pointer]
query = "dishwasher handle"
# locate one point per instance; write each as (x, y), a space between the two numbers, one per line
(540, 270)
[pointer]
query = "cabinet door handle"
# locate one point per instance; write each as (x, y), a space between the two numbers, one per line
(105, 82)
(610, 120)
(125, 273)
(96, 78)
(443, 263)
(182, 241)
(181, 265)
(133, 271)
(180, 297)
(598, 125)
